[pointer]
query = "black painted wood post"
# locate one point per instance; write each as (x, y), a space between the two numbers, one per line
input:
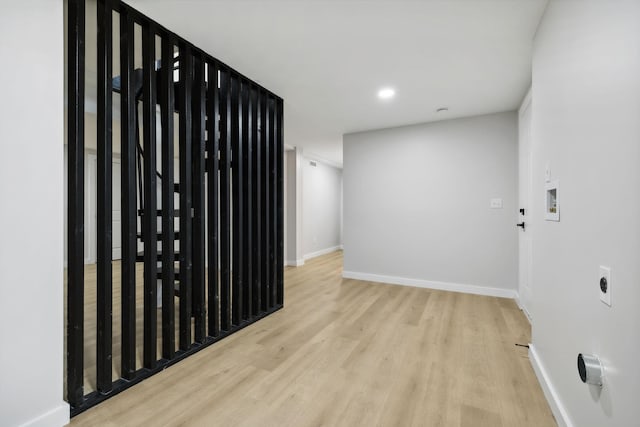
(237, 208)
(225, 184)
(128, 195)
(186, 193)
(247, 195)
(280, 204)
(273, 203)
(266, 203)
(150, 219)
(75, 191)
(198, 162)
(257, 257)
(104, 199)
(167, 107)
(213, 133)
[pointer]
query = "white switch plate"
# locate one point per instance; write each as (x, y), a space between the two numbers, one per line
(605, 297)
(496, 204)
(547, 172)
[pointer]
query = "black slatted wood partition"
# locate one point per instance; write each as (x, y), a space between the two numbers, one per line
(201, 153)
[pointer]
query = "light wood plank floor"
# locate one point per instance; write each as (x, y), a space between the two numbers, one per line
(350, 353)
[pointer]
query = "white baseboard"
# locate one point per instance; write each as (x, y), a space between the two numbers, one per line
(295, 263)
(523, 308)
(322, 252)
(428, 284)
(527, 315)
(58, 416)
(558, 409)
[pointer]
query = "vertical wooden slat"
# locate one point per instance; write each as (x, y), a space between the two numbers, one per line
(256, 216)
(225, 225)
(75, 229)
(213, 133)
(104, 197)
(186, 81)
(128, 195)
(280, 211)
(237, 210)
(275, 190)
(167, 108)
(150, 221)
(247, 194)
(198, 113)
(266, 202)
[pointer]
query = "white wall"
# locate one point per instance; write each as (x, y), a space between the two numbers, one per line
(417, 204)
(31, 247)
(321, 207)
(290, 207)
(586, 124)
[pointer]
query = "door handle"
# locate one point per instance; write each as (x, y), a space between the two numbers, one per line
(521, 225)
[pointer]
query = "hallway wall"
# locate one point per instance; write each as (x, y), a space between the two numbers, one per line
(586, 105)
(417, 205)
(31, 183)
(322, 207)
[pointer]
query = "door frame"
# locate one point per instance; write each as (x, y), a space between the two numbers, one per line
(525, 290)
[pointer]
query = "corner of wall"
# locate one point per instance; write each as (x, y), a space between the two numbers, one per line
(58, 416)
(522, 307)
(322, 252)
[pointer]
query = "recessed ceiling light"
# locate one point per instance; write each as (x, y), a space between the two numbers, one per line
(386, 93)
(442, 110)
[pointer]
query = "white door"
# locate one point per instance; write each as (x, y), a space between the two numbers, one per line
(525, 215)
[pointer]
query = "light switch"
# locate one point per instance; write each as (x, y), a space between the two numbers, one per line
(604, 283)
(496, 203)
(547, 172)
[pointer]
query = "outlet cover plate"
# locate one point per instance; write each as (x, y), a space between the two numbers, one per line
(605, 297)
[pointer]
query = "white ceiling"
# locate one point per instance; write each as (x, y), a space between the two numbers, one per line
(328, 58)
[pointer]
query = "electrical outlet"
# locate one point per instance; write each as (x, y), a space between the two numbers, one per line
(604, 283)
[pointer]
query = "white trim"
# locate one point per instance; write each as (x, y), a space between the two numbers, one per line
(429, 284)
(295, 263)
(557, 408)
(322, 252)
(58, 416)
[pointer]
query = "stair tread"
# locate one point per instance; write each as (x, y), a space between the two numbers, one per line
(176, 235)
(176, 273)
(176, 212)
(140, 255)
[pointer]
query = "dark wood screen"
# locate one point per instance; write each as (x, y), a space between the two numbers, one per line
(201, 154)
